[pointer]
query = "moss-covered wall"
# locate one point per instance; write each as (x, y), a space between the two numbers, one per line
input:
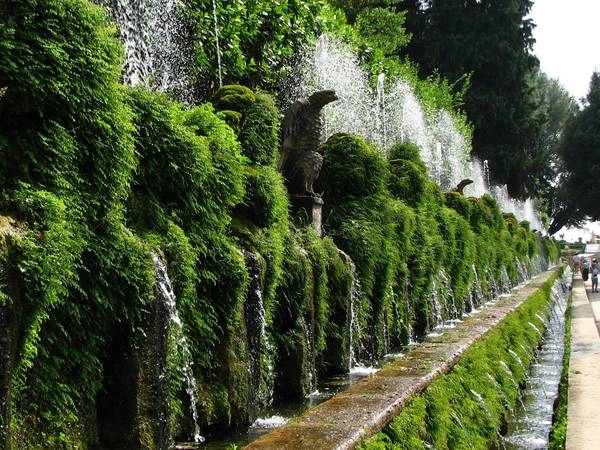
(469, 406)
(101, 179)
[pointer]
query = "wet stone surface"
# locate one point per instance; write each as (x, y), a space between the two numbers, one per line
(369, 405)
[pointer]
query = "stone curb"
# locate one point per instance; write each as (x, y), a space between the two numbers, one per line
(368, 406)
(583, 417)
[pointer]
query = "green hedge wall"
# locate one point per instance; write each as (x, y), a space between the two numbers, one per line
(464, 409)
(102, 178)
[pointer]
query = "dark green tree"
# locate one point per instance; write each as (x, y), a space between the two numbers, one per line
(559, 107)
(377, 31)
(492, 40)
(579, 150)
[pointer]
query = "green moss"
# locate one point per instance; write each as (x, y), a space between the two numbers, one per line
(265, 202)
(187, 160)
(65, 126)
(259, 133)
(232, 118)
(351, 169)
(463, 408)
(459, 203)
(234, 98)
(408, 178)
(256, 118)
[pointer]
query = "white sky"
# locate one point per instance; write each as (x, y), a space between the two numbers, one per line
(568, 47)
(567, 41)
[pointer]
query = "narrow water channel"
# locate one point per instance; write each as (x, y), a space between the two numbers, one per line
(522, 427)
(279, 414)
(530, 424)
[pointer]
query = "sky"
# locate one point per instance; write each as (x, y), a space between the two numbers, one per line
(567, 44)
(567, 41)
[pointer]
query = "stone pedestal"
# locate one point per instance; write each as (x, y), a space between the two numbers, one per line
(310, 210)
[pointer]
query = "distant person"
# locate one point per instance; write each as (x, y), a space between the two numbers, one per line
(585, 269)
(595, 273)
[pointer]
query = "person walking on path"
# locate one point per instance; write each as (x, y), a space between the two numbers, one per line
(585, 269)
(595, 273)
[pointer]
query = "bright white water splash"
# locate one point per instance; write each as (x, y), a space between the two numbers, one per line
(154, 36)
(269, 422)
(164, 291)
(363, 370)
(391, 114)
(529, 427)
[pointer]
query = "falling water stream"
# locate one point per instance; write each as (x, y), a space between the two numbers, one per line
(218, 47)
(529, 426)
(157, 51)
(164, 292)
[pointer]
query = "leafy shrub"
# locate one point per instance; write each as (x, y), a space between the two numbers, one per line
(64, 125)
(234, 98)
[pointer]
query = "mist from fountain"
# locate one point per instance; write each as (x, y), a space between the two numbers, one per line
(392, 113)
(157, 54)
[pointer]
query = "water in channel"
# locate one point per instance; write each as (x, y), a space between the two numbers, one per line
(529, 426)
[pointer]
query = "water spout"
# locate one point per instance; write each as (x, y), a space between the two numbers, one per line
(165, 294)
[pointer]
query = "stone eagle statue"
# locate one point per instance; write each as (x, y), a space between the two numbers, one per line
(462, 185)
(299, 160)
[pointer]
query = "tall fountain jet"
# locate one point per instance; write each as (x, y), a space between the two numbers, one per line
(392, 113)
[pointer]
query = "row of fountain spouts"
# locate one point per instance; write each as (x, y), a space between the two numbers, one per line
(166, 295)
(150, 30)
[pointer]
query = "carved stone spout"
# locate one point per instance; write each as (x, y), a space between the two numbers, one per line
(462, 185)
(299, 160)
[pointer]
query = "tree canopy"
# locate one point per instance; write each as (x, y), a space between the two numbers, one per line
(579, 150)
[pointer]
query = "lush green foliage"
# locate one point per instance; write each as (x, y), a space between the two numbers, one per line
(405, 237)
(464, 409)
(579, 152)
(64, 125)
(106, 179)
(258, 39)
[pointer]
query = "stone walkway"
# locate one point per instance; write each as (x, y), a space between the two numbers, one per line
(368, 406)
(583, 426)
